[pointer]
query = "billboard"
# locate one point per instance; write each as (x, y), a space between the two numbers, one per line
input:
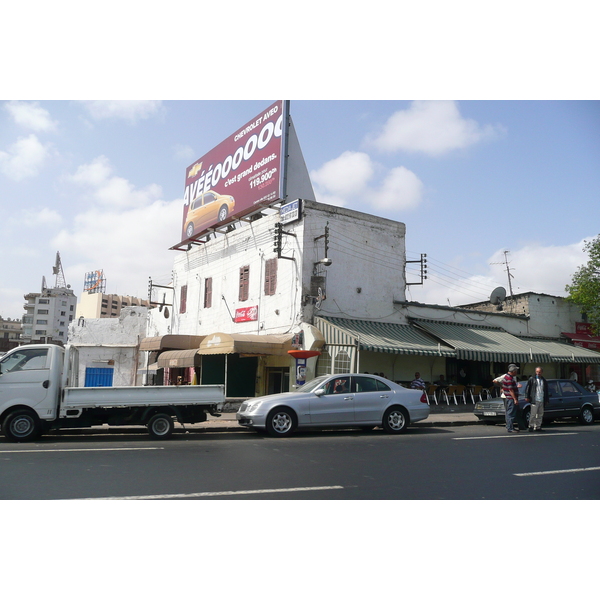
(241, 174)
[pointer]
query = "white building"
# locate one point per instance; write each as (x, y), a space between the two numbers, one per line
(10, 333)
(98, 305)
(48, 314)
(250, 306)
(109, 348)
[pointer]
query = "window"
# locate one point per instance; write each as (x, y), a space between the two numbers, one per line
(324, 364)
(342, 362)
(43, 301)
(40, 332)
(270, 277)
(183, 299)
(209, 197)
(340, 385)
(71, 307)
(382, 387)
(63, 302)
(570, 388)
(61, 333)
(41, 322)
(244, 283)
(63, 313)
(43, 311)
(25, 360)
(364, 384)
(208, 292)
(62, 323)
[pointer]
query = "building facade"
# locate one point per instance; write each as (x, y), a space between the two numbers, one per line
(94, 305)
(48, 314)
(10, 334)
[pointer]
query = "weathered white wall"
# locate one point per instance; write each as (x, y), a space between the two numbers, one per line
(115, 339)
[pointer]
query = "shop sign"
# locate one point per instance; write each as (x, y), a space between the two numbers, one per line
(291, 211)
(243, 315)
(584, 328)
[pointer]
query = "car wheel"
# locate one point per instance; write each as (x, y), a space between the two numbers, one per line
(223, 212)
(586, 416)
(21, 426)
(281, 422)
(161, 426)
(189, 230)
(525, 418)
(395, 420)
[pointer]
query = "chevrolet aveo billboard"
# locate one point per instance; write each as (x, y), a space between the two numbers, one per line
(241, 174)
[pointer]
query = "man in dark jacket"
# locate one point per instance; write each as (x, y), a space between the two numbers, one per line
(536, 392)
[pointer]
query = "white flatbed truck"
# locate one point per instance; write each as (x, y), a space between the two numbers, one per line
(39, 393)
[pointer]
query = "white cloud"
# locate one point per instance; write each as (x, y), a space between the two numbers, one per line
(535, 268)
(44, 216)
(24, 158)
(110, 190)
(121, 229)
(346, 180)
(433, 128)
(401, 189)
(345, 175)
(30, 115)
(129, 110)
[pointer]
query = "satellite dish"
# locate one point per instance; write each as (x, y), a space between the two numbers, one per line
(498, 296)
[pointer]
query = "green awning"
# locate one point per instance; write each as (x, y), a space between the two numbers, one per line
(564, 352)
(493, 344)
(393, 338)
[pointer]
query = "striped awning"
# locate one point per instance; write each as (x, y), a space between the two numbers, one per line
(493, 344)
(564, 352)
(393, 338)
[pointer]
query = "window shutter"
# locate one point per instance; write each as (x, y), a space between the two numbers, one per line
(244, 283)
(183, 299)
(208, 292)
(271, 277)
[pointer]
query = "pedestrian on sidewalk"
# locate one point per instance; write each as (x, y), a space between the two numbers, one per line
(537, 393)
(511, 397)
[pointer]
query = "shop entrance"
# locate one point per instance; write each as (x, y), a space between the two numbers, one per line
(278, 380)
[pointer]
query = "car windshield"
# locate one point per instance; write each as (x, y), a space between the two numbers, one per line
(311, 386)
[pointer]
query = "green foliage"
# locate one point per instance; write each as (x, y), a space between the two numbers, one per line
(585, 285)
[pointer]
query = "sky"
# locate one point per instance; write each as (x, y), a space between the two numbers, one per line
(102, 183)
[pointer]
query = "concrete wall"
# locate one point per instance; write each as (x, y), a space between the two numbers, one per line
(112, 343)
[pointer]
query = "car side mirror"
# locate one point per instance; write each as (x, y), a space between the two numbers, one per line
(320, 392)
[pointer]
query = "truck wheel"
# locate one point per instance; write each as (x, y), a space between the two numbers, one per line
(160, 426)
(21, 426)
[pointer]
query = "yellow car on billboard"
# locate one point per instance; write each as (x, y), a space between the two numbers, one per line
(207, 209)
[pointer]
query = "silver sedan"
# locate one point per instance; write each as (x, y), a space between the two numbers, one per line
(348, 400)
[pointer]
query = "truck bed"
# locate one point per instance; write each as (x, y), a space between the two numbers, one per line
(109, 397)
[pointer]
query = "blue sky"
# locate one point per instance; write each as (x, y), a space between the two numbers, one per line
(102, 182)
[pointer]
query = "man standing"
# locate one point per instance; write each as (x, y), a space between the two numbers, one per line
(417, 383)
(511, 397)
(536, 392)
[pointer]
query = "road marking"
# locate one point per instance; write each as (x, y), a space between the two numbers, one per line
(522, 436)
(556, 472)
(75, 450)
(230, 493)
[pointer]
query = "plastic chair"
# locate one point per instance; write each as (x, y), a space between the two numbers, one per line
(431, 389)
(476, 393)
(449, 393)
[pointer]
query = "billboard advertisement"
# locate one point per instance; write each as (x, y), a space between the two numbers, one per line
(241, 174)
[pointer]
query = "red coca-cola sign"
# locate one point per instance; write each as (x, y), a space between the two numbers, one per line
(243, 315)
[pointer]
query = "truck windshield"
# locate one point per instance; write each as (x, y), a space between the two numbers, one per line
(24, 360)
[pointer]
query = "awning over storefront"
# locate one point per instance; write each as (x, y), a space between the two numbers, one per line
(246, 344)
(563, 352)
(171, 342)
(393, 338)
(177, 359)
(584, 340)
(480, 343)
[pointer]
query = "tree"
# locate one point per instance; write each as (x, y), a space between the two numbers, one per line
(585, 286)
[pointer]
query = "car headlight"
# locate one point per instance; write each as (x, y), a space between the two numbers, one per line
(479, 406)
(254, 407)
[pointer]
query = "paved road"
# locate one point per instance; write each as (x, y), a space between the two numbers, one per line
(468, 462)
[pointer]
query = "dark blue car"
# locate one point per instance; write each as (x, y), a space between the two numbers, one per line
(567, 399)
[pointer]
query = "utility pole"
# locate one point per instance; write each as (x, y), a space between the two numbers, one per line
(509, 274)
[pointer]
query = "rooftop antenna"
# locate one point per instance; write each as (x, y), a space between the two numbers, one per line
(58, 271)
(510, 275)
